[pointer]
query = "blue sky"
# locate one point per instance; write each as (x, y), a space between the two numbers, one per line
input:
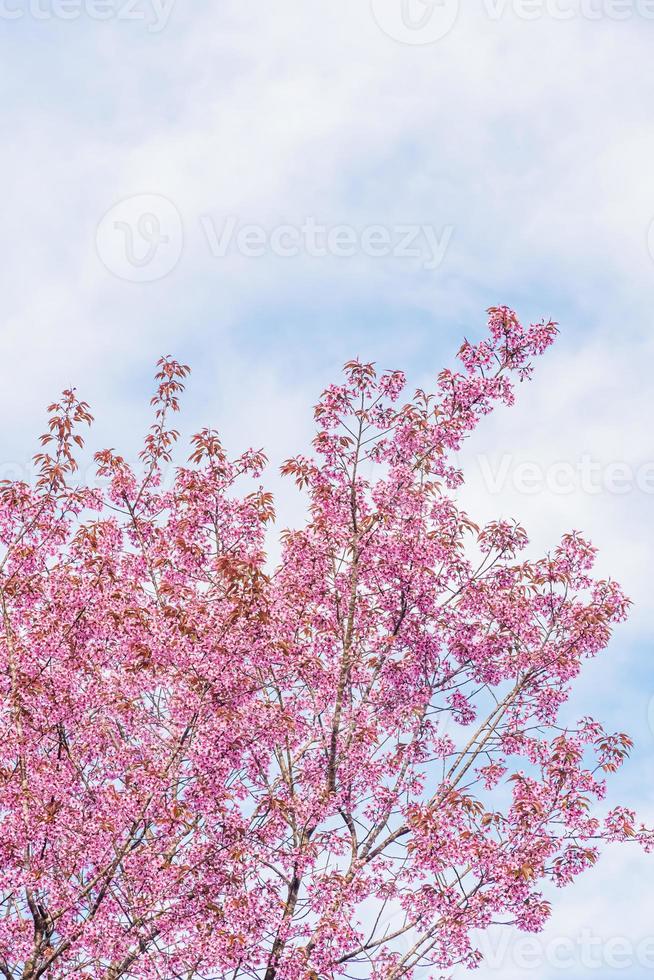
(521, 138)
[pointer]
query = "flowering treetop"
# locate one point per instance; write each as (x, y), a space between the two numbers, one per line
(342, 768)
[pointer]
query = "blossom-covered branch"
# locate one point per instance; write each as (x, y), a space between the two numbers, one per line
(341, 767)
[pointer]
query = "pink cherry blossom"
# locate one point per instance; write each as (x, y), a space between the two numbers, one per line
(345, 766)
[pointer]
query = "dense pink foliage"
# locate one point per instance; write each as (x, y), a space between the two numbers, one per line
(208, 770)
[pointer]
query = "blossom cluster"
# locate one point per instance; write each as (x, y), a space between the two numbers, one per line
(347, 766)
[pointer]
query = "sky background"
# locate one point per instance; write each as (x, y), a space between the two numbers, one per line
(512, 140)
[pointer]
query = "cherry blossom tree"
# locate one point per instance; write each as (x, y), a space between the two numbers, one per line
(346, 766)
